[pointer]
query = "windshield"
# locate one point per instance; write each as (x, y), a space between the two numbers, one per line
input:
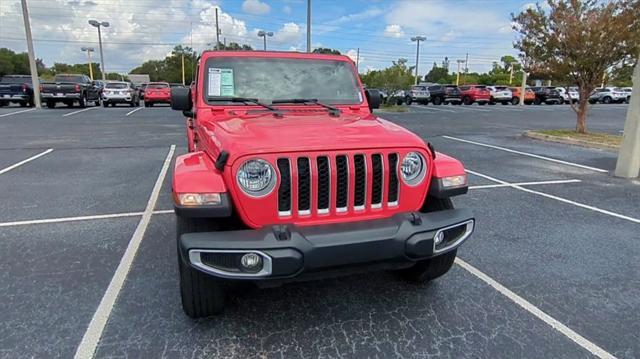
(116, 86)
(267, 79)
(70, 78)
(15, 80)
(157, 86)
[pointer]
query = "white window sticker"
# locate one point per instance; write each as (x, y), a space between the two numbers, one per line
(220, 82)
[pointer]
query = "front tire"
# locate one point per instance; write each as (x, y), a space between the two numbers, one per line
(537, 101)
(82, 102)
(428, 269)
(202, 295)
(515, 101)
(606, 100)
(408, 101)
(437, 101)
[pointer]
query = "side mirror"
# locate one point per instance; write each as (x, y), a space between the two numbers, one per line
(181, 99)
(373, 98)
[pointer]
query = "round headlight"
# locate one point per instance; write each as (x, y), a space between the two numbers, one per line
(413, 168)
(256, 177)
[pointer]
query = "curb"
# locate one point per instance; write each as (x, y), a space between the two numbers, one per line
(570, 141)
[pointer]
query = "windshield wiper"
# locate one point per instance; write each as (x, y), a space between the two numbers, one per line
(332, 110)
(244, 100)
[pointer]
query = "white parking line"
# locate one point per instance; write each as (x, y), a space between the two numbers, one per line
(83, 110)
(137, 109)
(577, 204)
(471, 108)
(527, 154)
(80, 218)
(537, 312)
(17, 112)
(99, 320)
(524, 184)
(5, 170)
(432, 109)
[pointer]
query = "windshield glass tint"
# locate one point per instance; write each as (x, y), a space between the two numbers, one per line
(157, 86)
(116, 86)
(267, 79)
(16, 80)
(69, 79)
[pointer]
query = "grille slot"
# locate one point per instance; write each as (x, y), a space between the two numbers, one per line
(360, 190)
(393, 179)
(324, 183)
(377, 179)
(284, 192)
(342, 172)
(304, 186)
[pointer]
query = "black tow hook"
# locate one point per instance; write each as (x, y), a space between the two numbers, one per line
(282, 232)
(415, 219)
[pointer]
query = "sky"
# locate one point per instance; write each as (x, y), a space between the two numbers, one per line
(141, 30)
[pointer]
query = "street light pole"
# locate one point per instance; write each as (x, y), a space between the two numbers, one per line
(417, 39)
(264, 35)
(89, 50)
(98, 24)
(458, 73)
(308, 25)
(35, 83)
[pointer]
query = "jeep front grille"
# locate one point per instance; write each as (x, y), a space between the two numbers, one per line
(332, 177)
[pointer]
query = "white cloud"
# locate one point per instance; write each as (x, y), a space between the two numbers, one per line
(255, 7)
(393, 30)
(289, 33)
(286, 9)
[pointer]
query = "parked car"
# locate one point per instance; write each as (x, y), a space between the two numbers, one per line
(547, 94)
(16, 89)
(418, 94)
(475, 93)
(529, 95)
(400, 97)
(628, 91)
(608, 95)
(120, 92)
(440, 94)
(500, 94)
(157, 92)
(70, 89)
(286, 182)
(571, 96)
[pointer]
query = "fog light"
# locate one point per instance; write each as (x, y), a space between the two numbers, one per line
(251, 262)
(439, 238)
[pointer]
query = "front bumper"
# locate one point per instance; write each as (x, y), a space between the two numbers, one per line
(291, 253)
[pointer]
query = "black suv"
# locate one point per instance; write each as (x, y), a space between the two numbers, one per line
(548, 95)
(445, 94)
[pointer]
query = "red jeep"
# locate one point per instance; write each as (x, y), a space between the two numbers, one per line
(157, 92)
(475, 93)
(290, 176)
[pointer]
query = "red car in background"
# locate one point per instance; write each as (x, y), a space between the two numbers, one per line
(475, 93)
(157, 92)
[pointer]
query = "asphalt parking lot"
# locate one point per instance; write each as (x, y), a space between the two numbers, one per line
(87, 251)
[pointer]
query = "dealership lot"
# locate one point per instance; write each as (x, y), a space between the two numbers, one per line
(87, 249)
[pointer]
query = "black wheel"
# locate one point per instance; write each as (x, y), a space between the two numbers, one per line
(432, 268)
(82, 102)
(202, 294)
(467, 100)
(515, 101)
(437, 101)
(408, 100)
(606, 100)
(537, 101)
(51, 104)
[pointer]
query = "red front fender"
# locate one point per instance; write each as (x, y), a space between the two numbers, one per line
(195, 172)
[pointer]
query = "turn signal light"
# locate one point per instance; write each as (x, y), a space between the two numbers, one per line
(199, 199)
(454, 181)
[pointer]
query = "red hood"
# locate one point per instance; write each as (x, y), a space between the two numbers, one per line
(317, 131)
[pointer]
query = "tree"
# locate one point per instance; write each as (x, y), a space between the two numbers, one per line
(170, 68)
(437, 74)
(324, 50)
(577, 41)
(233, 46)
(396, 77)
